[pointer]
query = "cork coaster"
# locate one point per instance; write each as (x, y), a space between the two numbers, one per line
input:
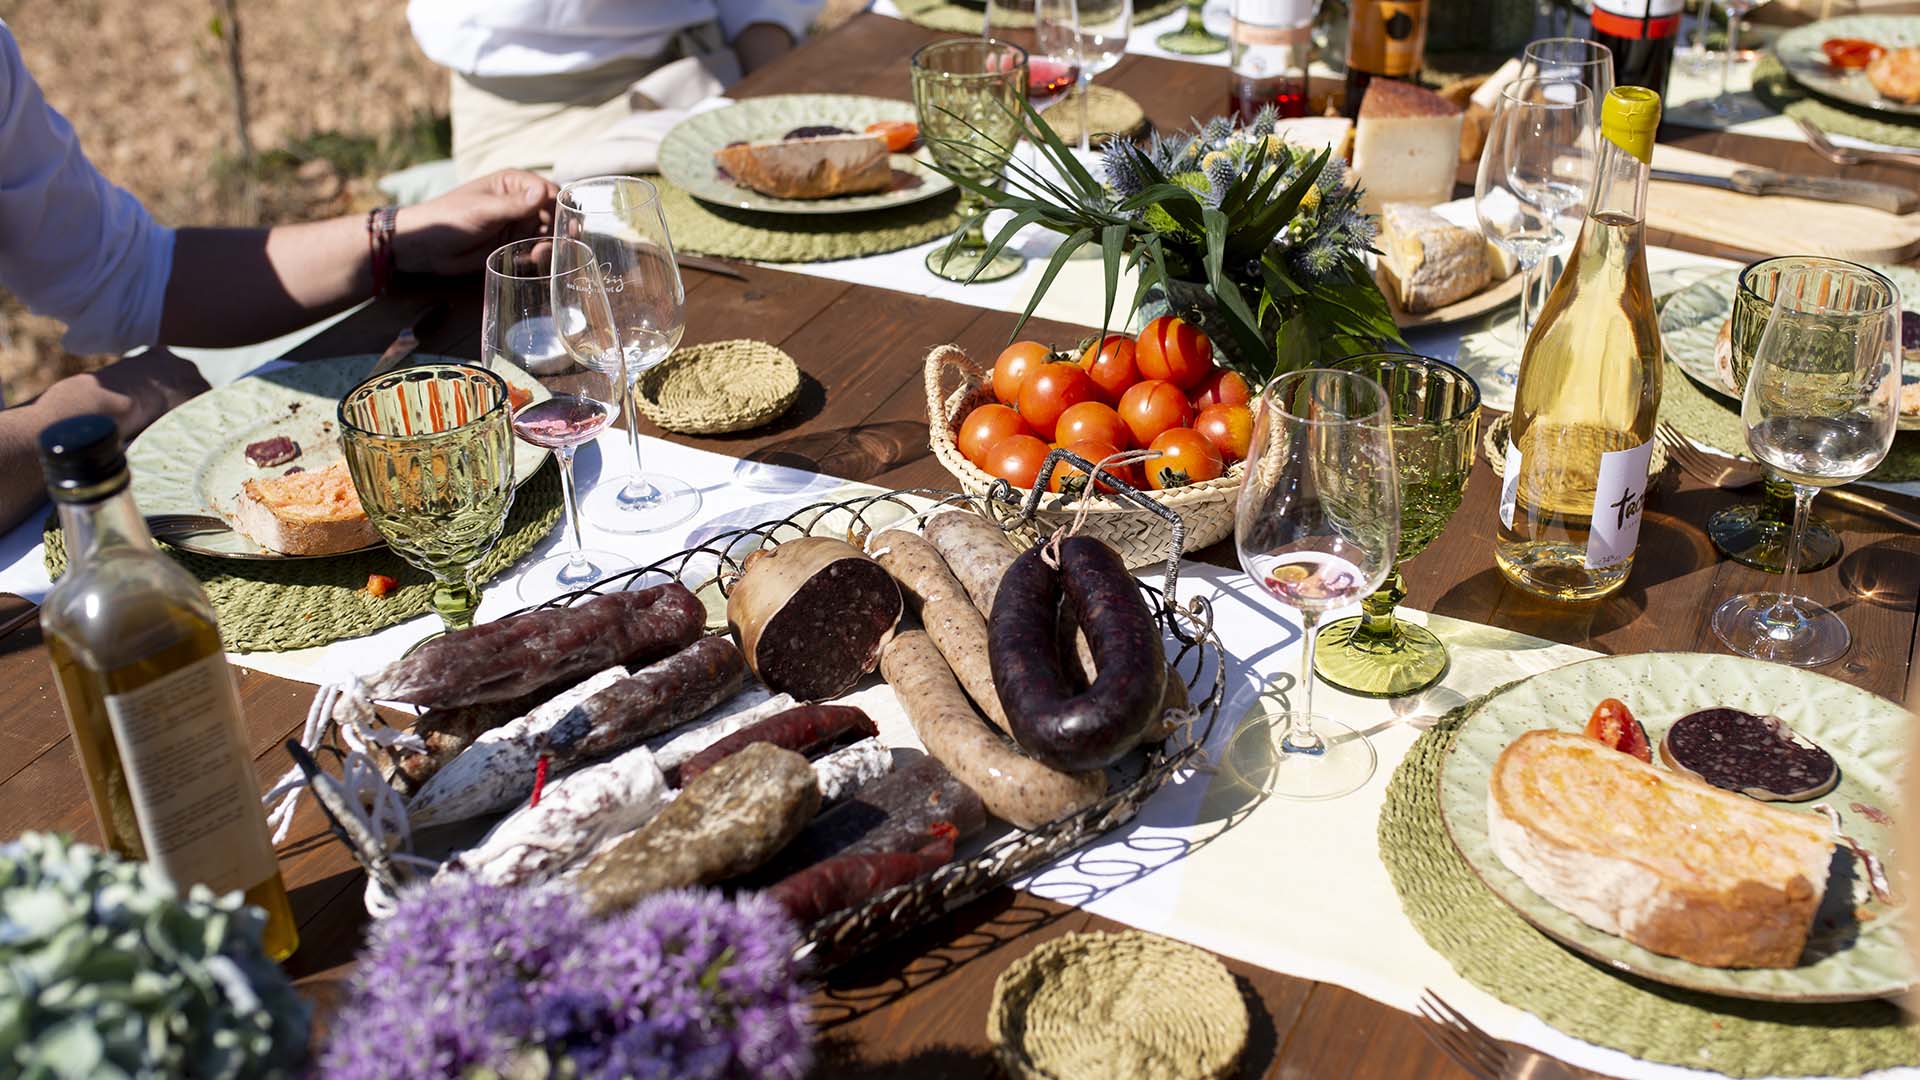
(719, 387)
(964, 17)
(705, 229)
(1110, 113)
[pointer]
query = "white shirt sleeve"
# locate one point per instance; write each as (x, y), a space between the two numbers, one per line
(795, 15)
(73, 246)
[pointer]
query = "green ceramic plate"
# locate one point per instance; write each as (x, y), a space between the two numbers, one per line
(1799, 52)
(1866, 734)
(193, 460)
(686, 154)
(1690, 321)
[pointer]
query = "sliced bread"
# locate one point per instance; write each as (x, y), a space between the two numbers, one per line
(1670, 864)
(305, 513)
(814, 168)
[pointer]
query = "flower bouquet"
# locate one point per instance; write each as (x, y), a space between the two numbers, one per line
(1256, 241)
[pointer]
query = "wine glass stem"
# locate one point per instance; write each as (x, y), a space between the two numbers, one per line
(638, 489)
(1299, 735)
(1377, 621)
(1785, 611)
(577, 564)
(1526, 299)
(456, 598)
(1733, 46)
(1195, 24)
(1086, 136)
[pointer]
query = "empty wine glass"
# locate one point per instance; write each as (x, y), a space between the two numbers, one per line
(1726, 105)
(619, 217)
(1570, 59)
(556, 284)
(1074, 40)
(1316, 526)
(1820, 407)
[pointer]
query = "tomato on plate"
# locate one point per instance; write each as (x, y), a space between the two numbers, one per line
(1186, 457)
(1072, 480)
(1050, 390)
(1152, 407)
(1010, 370)
(900, 135)
(1229, 428)
(379, 585)
(1851, 52)
(1111, 366)
(1614, 725)
(986, 426)
(1223, 387)
(1173, 349)
(1016, 459)
(1092, 420)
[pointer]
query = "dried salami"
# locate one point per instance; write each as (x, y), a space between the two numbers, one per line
(575, 813)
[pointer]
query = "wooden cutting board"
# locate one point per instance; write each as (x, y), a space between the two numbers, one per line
(1774, 224)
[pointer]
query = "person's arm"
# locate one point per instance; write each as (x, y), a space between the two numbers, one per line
(762, 31)
(761, 44)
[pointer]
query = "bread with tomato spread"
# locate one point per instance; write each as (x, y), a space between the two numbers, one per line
(304, 513)
(1673, 865)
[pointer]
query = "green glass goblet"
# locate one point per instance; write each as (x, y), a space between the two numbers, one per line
(1435, 417)
(1192, 39)
(968, 93)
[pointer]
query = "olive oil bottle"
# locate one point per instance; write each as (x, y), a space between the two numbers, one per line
(147, 691)
(1583, 413)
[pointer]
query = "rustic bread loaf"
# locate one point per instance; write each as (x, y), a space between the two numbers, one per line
(813, 168)
(305, 513)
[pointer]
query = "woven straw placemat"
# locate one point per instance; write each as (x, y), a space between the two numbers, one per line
(1125, 1006)
(1777, 90)
(720, 386)
(1498, 951)
(705, 229)
(1110, 112)
(300, 603)
(967, 18)
(1707, 419)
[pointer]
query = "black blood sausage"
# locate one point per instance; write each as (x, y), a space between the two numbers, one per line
(1755, 755)
(1053, 723)
(811, 616)
(657, 697)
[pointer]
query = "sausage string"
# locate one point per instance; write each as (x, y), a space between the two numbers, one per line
(1051, 553)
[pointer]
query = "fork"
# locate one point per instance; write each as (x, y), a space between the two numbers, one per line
(174, 526)
(1844, 155)
(1721, 471)
(1480, 1054)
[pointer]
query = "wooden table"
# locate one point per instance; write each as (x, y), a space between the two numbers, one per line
(918, 1008)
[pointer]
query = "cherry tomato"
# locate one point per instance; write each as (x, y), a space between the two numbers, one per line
(1173, 349)
(1186, 457)
(1612, 723)
(1111, 366)
(1070, 479)
(1229, 428)
(1011, 369)
(1223, 387)
(899, 134)
(1851, 52)
(986, 426)
(379, 585)
(1152, 407)
(1016, 459)
(1048, 391)
(1092, 420)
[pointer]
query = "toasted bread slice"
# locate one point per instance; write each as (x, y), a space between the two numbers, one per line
(815, 168)
(1670, 864)
(306, 513)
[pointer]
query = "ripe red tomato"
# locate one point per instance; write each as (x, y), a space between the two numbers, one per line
(1070, 479)
(900, 135)
(1613, 723)
(1011, 369)
(986, 426)
(1173, 349)
(1016, 459)
(1223, 387)
(1186, 457)
(1092, 420)
(1847, 53)
(1111, 366)
(1050, 390)
(1229, 428)
(1152, 407)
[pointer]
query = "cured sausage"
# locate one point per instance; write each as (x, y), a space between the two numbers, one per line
(446, 732)
(976, 551)
(849, 768)
(811, 616)
(895, 813)
(1014, 787)
(957, 628)
(672, 748)
(657, 697)
(575, 813)
(846, 880)
(723, 824)
(1093, 728)
(805, 730)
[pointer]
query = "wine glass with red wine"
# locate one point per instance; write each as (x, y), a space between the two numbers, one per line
(546, 310)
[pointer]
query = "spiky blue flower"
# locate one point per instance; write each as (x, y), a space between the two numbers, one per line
(1121, 163)
(1264, 121)
(1216, 131)
(1222, 170)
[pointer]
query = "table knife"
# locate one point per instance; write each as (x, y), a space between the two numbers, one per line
(408, 339)
(1891, 198)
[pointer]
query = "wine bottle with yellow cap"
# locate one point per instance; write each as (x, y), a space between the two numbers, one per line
(1583, 414)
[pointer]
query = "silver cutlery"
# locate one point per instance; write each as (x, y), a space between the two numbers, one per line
(408, 339)
(181, 526)
(1891, 198)
(1721, 471)
(1846, 155)
(1480, 1054)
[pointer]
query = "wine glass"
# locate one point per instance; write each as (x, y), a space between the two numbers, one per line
(1820, 407)
(619, 217)
(1317, 525)
(1074, 40)
(1435, 415)
(967, 93)
(1756, 533)
(556, 284)
(1570, 59)
(430, 451)
(1192, 39)
(1726, 105)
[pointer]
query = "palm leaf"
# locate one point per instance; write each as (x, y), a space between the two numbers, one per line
(1060, 256)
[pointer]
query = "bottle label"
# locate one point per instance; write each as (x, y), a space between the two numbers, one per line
(1638, 19)
(1510, 486)
(1619, 493)
(1405, 27)
(191, 785)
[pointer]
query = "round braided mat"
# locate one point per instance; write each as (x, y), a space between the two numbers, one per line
(1125, 1006)
(1110, 112)
(967, 18)
(720, 386)
(1777, 90)
(705, 229)
(1498, 951)
(300, 603)
(1706, 419)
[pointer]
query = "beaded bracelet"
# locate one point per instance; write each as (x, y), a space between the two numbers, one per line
(380, 222)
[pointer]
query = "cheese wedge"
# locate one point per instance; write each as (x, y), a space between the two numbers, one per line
(815, 168)
(1670, 864)
(1315, 132)
(1406, 145)
(1429, 262)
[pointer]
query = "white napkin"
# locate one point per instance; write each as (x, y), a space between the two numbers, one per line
(660, 101)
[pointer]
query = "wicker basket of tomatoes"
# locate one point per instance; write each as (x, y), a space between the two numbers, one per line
(1159, 393)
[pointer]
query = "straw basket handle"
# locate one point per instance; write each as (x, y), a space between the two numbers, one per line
(940, 360)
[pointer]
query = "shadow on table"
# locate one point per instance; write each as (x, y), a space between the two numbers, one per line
(859, 453)
(1881, 573)
(841, 1058)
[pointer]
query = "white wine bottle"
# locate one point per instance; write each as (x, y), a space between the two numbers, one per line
(1583, 414)
(148, 694)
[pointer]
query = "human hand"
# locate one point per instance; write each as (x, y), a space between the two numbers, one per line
(135, 390)
(454, 233)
